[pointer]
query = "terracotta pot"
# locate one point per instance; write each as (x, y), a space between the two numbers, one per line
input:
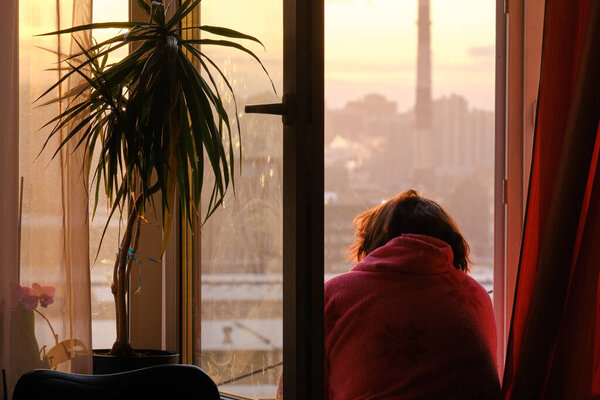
(105, 364)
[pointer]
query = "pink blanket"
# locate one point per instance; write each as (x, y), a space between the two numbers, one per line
(406, 324)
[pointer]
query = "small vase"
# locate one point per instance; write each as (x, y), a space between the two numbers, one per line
(25, 352)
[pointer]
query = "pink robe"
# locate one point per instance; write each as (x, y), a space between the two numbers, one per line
(406, 324)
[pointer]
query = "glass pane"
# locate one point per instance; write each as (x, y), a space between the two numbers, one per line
(103, 305)
(240, 345)
(42, 228)
(376, 147)
(54, 245)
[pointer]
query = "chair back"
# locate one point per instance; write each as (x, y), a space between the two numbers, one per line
(170, 381)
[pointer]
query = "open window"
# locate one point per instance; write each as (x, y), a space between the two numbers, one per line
(449, 112)
(429, 114)
(247, 296)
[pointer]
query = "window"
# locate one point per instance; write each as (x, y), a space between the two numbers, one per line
(240, 344)
(103, 306)
(372, 151)
(410, 106)
(522, 27)
(370, 95)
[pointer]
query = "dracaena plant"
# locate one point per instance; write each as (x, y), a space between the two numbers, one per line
(150, 119)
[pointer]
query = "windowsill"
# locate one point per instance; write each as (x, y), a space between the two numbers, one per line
(231, 396)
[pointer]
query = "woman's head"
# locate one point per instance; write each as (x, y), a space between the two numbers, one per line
(407, 213)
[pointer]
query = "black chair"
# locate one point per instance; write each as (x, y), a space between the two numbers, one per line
(170, 381)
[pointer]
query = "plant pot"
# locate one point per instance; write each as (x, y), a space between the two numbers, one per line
(105, 364)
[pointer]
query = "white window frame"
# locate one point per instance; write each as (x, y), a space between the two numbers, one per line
(519, 26)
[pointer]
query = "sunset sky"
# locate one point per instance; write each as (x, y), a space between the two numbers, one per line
(370, 45)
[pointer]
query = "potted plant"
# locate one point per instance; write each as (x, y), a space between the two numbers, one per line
(151, 118)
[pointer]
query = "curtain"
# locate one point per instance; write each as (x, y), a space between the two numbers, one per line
(9, 129)
(45, 290)
(554, 343)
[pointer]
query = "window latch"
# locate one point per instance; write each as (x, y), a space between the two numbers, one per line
(282, 109)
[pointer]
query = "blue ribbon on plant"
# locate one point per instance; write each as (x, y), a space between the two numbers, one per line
(131, 256)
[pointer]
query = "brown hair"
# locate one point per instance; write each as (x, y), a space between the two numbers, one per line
(407, 213)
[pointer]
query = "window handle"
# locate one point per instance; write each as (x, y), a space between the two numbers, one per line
(282, 109)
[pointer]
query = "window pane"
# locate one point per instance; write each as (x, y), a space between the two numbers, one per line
(54, 246)
(381, 140)
(240, 345)
(103, 305)
(42, 229)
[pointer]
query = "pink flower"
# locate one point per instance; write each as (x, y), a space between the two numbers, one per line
(44, 293)
(22, 296)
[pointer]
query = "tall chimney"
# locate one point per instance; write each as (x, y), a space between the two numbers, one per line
(424, 151)
(423, 103)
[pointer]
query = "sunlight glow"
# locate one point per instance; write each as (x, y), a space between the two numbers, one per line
(462, 46)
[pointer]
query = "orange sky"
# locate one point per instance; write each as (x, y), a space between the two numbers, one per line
(371, 44)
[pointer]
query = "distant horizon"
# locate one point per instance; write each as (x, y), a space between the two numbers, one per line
(370, 47)
(342, 104)
(380, 56)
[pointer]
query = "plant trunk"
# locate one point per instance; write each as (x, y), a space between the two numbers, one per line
(120, 285)
(122, 347)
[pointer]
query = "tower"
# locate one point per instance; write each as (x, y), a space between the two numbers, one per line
(423, 99)
(423, 125)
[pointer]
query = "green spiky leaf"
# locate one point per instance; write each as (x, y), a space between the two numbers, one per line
(153, 117)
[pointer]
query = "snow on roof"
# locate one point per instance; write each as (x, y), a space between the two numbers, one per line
(254, 334)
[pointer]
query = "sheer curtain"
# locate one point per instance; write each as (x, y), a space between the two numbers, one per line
(9, 129)
(45, 289)
(554, 345)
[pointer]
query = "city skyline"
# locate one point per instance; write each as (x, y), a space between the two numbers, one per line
(370, 45)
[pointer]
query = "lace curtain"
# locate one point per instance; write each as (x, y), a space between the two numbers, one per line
(45, 287)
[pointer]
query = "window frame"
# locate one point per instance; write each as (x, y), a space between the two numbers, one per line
(517, 74)
(519, 31)
(303, 246)
(156, 321)
(500, 187)
(518, 50)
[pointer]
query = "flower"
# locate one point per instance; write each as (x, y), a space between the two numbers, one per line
(22, 297)
(30, 297)
(44, 293)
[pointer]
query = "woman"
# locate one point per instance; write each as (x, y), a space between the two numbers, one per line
(407, 322)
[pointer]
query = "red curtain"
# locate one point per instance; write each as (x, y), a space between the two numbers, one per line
(554, 343)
